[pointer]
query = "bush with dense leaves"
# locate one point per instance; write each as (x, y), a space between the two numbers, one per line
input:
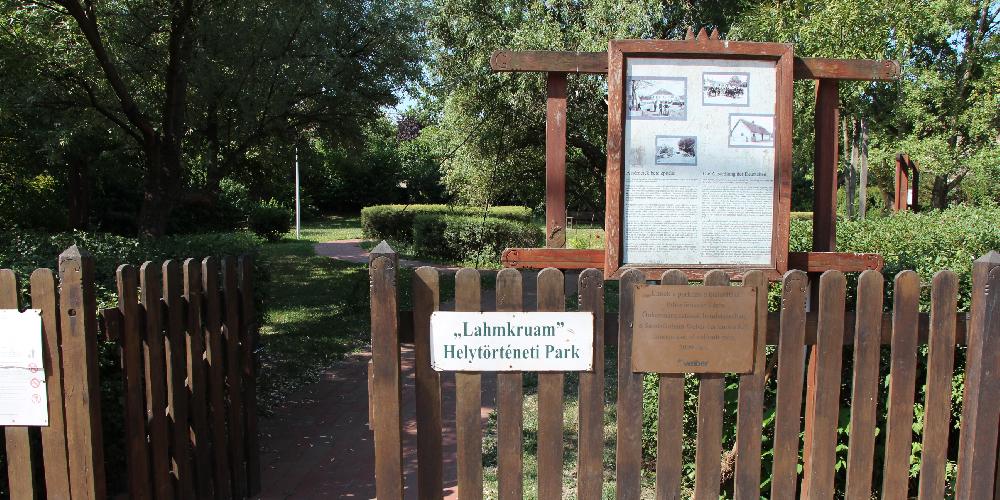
(270, 220)
(395, 223)
(470, 238)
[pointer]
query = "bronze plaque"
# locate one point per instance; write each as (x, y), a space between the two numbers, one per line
(694, 329)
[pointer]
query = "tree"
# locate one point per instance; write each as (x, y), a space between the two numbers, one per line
(199, 86)
(687, 145)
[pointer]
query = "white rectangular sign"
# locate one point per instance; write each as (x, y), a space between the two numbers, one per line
(23, 400)
(512, 341)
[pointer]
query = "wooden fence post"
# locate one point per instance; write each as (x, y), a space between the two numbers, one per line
(78, 321)
(20, 470)
(385, 372)
(977, 453)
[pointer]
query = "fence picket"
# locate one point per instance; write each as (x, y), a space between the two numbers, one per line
(385, 395)
(176, 373)
(826, 410)
(510, 400)
(234, 375)
(54, 454)
(711, 401)
(670, 420)
(750, 403)
(937, 404)
(133, 369)
(551, 297)
(590, 477)
(20, 470)
(156, 381)
(628, 448)
(197, 373)
(791, 359)
(864, 387)
(248, 346)
(426, 300)
(902, 386)
(468, 400)
(216, 378)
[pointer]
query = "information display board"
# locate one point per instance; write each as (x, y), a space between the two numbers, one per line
(23, 399)
(512, 341)
(699, 153)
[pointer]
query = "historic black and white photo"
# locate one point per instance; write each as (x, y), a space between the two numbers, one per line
(751, 131)
(725, 89)
(657, 97)
(676, 150)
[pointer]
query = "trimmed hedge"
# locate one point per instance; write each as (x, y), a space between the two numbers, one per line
(396, 222)
(470, 238)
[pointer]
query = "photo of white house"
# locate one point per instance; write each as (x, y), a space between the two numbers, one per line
(751, 131)
(658, 98)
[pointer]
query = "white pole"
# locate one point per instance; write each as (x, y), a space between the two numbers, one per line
(298, 211)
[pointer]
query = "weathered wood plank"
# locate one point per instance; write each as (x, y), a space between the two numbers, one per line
(426, 300)
(78, 326)
(590, 471)
(133, 371)
(750, 403)
(215, 355)
(248, 346)
(234, 376)
(628, 446)
(555, 160)
(20, 470)
(176, 364)
(468, 400)
(902, 386)
(711, 402)
(791, 359)
(385, 375)
(597, 63)
(826, 411)
(937, 404)
(977, 452)
(510, 400)
(156, 380)
(574, 258)
(44, 296)
(865, 385)
(551, 297)
(670, 421)
(197, 379)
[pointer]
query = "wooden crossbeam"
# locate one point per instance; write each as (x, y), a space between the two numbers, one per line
(572, 258)
(806, 68)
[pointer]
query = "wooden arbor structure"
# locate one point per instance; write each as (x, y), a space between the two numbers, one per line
(826, 72)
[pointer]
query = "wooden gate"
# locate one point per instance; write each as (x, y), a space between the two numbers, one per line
(186, 333)
(809, 444)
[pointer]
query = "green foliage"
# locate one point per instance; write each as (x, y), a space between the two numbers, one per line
(396, 222)
(471, 238)
(270, 220)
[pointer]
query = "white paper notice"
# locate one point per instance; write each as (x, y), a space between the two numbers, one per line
(512, 341)
(23, 400)
(699, 162)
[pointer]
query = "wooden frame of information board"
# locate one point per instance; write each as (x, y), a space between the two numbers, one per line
(619, 52)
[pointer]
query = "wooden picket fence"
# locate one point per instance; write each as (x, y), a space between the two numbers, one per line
(186, 332)
(815, 385)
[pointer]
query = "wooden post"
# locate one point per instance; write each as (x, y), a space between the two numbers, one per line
(385, 396)
(426, 300)
(78, 320)
(977, 452)
(555, 161)
(914, 185)
(824, 218)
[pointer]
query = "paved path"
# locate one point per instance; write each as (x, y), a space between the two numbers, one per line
(318, 445)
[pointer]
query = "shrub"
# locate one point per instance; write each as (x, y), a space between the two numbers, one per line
(467, 238)
(395, 222)
(270, 220)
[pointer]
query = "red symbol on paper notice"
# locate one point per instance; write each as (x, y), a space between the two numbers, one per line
(35, 383)
(33, 368)
(35, 398)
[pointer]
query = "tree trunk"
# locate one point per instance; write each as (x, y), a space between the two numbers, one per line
(863, 184)
(160, 189)
(78, 192)
(939, 192)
